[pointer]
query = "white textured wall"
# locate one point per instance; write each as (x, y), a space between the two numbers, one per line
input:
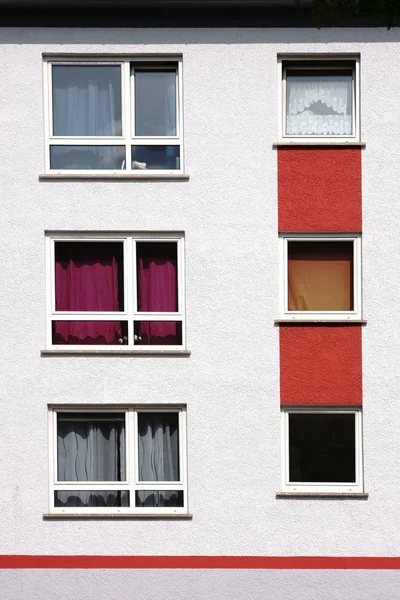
(200, 585)
(228, 210)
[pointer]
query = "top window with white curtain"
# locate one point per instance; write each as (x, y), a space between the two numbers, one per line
(114, 115)
(320, 99)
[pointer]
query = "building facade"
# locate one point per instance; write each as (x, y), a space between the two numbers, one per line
(200, 364)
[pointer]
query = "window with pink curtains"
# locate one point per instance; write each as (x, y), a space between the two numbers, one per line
(88, 277)
(157, 285)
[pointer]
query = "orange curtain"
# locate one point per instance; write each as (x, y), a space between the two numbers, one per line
(320, 276)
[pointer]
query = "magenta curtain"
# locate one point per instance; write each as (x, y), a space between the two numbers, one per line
(86, 279)
(157, 291)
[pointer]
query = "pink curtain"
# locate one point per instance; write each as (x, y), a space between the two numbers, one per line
(157, 291)
(86, 279)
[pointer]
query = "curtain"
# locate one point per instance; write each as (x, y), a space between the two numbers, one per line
(86, 279)
(90, 448)
(158, 447)
(157, 290)
(318, 107)
(320, 276)
(91, 499)
(170, 107)
(155, 103)
(86, 100)
(154, 498)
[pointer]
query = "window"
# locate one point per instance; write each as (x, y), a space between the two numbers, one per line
(115, 115)
(322, 450)
(320, 98)
(114, 460)
(321, 277)
(123, 291)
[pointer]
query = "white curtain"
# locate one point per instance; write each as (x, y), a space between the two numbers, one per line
(155, 103)
(86, 101)
(158, 447)
(318, 107)
(90, 448)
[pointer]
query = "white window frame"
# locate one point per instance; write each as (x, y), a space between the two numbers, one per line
(127, 139)
(132, 483)
(293, 315)
(317, 62)
(130, 314)
(290, 486)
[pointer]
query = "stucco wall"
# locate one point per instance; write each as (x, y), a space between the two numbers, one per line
(228, 210)
(200, 585)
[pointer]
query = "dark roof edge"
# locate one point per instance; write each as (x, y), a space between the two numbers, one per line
(166, 13)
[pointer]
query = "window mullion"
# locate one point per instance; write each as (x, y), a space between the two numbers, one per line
(135, 455)
(182, 449)
(130, 287)
(52, 453)
(126, 112)
(48, 107)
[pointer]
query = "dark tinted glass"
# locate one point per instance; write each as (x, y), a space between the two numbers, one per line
(91, 158)
(322, 448)
(89, 499)
(153, 498)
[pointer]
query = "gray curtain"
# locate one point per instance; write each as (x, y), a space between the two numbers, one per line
(91, 447)
(158, 447)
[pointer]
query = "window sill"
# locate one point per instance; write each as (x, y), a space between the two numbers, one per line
(55, 516)
(114, 176)
(106, 352)
(350, 495)
(309, 142)
(320, 321)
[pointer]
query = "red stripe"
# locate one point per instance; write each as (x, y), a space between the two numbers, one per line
(198, 562)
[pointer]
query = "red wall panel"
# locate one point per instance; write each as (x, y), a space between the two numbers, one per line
(319, 189)
(320, 364)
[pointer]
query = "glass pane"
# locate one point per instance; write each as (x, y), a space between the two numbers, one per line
(90, 333)
(90, 499)
(91, 447)
(157, 276)
(95, 158)
(158, 446)
(320, 276)
(159, 498)
(89, 276)
(158, 333)
(319, 104)
(322, 448)
(155, 102)
(86, 100)
(165, 158)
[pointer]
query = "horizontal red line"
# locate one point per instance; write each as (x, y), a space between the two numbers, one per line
(198, 562)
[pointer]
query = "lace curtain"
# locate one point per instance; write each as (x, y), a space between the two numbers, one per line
(318, 106)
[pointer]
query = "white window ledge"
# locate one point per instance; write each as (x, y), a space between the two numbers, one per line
(107, 352)
(319, 142)
(323, 321)
(185, 516)
(114, 176)
(350, 495)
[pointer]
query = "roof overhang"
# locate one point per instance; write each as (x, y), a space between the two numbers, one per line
(163, 13)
